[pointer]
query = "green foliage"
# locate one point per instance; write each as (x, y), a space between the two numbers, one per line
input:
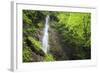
(26, 20)
(75, 31)
(27, 55)
(49, 57)
(37, 44)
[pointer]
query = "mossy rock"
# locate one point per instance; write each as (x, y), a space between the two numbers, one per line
(35, 45)
(49, 57)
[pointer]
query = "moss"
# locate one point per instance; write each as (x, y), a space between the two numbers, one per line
(40, 25)
(49, 57)
(26, 20)
(27, 55)
(37, 44)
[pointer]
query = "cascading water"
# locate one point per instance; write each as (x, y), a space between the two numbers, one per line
(45, 45)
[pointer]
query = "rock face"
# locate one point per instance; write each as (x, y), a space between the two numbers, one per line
(36, 57)
(56, 48)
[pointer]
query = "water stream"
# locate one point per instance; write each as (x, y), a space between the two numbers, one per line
(45, 45)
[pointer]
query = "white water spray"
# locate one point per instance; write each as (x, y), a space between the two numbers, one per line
(45, 45)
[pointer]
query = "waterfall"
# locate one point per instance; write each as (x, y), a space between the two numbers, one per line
(45, 45)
